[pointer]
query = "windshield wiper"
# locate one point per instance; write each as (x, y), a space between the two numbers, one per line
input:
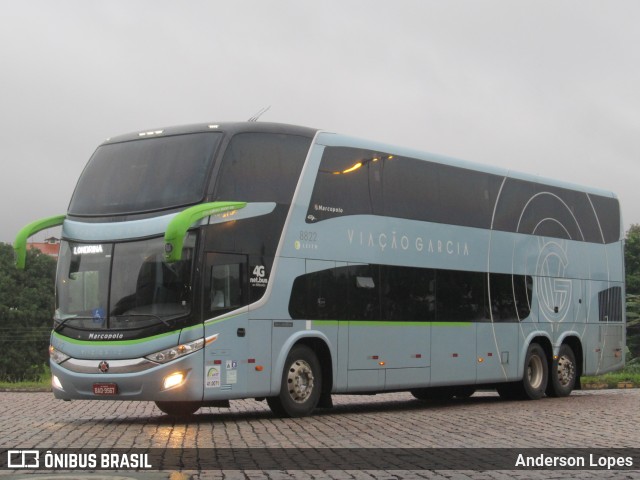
(144, 315)
(64, 320)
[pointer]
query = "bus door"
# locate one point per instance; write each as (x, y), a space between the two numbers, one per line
(225, 288)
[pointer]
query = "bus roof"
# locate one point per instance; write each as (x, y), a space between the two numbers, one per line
(226, 127)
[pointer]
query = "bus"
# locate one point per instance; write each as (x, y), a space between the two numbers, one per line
(205, 263)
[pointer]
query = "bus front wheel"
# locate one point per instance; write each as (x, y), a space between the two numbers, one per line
(300, 385)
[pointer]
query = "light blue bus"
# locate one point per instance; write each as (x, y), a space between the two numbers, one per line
(213, 262)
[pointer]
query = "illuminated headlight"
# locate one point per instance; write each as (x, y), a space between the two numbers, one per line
(173, 380)
(57, 356)
(169, 354)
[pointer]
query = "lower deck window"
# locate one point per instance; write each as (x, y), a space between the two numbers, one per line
(408, 294)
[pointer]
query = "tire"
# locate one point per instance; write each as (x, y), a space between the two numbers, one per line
(563, 375)
(300, 386)
(178, 409)
(534, 379)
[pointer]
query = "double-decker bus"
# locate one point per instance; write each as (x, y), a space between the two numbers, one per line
(213, 262)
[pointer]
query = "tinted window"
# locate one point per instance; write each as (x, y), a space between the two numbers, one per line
(145, 175)
(408, 294)
(510, 297)
(352, 182)
(538, 209)
(608, 216)
(610, 304)
(320, 295)
(460, 296)
(225, 283)
(433, 192)
(363, 293)
(410, 189)
(261, 167)
(343, 185)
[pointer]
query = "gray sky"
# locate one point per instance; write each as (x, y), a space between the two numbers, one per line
(544, 87)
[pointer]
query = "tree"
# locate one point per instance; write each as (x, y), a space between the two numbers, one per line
(632, 259)
(26, 312)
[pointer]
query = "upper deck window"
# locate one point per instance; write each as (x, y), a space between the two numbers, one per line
(262, 167)
(145, 175)
(352, 181)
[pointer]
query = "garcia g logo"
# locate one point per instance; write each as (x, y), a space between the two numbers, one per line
(554, 292)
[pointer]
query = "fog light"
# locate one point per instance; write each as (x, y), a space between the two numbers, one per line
(173, 380)
(55, 382)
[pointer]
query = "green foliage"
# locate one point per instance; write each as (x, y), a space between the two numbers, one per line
(632, 270)
(632, 259)
(633, 328)
(26, 310)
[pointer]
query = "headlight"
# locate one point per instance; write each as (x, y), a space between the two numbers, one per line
(56, 355)
(169, 354)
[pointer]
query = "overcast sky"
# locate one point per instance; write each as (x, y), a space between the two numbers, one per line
(544, 87)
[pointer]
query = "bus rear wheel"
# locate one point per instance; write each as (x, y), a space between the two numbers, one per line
(300, 386)
(563, 373)
(534, 379)
(178, 409)
(536, 373)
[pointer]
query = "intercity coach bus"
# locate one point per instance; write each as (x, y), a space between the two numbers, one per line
(213, 262)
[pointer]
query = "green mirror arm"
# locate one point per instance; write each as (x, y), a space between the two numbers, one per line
(20, 244)
(177, 228)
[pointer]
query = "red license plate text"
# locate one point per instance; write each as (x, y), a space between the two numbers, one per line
(105, 388)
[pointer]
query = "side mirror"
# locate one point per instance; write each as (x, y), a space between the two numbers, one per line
(20, 244)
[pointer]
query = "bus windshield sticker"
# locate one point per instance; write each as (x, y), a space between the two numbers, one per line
(259, 278)
(212, 377)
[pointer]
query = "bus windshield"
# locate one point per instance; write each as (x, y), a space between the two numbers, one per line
(145, 175)
(122, 286)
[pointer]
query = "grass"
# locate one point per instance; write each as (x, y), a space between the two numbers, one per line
(42, 383)
(613, 379)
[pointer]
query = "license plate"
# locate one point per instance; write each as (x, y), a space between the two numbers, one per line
(105, 388)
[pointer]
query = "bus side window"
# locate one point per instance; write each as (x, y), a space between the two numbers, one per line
(225, 283)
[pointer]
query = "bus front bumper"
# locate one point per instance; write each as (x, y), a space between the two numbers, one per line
(136, 379)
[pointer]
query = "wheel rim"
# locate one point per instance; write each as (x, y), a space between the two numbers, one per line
(300, 381)
(535, 371)
(566, 370)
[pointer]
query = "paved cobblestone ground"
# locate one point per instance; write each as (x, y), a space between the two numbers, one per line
(590, 419)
